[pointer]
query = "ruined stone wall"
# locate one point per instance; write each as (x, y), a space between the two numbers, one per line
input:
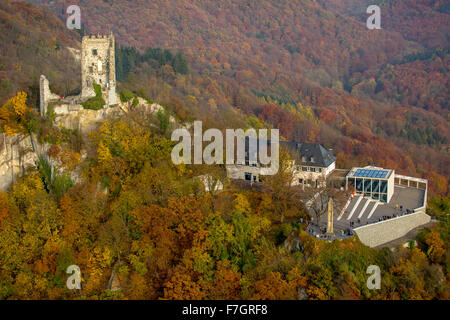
(379, 233)
(46, 95)
(112, 73)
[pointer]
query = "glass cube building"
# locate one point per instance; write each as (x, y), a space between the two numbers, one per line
(373, 182)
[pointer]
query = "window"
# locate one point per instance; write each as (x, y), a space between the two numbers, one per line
(359, 185)
(303, 159)
(367, 185)
(312, 159)
(94, 52)
(320, 169)
(91, 69)
(248, 176)
(300, 181)
(376, 185)
(383, 186)
(384, 198)
(304, 168)
(351, 184)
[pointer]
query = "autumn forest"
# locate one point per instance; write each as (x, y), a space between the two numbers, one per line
(309, 68)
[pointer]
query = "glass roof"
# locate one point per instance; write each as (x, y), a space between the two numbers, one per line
(370, 173)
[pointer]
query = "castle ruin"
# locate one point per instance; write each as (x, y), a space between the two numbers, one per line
(97, 66)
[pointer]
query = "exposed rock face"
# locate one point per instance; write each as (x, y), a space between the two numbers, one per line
(16, 156)
(18, 153)
(293, 243)
(114, 283)
(301, 294)
(84, 120)
(74, 116)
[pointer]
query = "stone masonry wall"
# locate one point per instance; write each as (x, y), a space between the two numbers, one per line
(46, 95)
(376, 234)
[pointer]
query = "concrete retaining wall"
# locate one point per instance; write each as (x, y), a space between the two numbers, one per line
(379, 233)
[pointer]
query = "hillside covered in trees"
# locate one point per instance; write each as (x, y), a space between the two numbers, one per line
(376, 96)
(309, 68)
(137, 217)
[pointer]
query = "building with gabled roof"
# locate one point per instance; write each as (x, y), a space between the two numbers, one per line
(310, 154)
(312, 163)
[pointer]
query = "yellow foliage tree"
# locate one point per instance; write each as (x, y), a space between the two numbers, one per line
(14, 113)
(435, 244)
(182, 287)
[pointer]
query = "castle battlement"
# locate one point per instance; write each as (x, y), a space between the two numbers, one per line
(96, 36)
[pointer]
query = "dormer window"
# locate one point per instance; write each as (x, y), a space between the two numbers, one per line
(312, 159)
(303, 159)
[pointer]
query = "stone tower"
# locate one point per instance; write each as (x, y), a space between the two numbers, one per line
(98, 65)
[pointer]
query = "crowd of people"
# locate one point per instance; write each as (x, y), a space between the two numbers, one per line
(315, 230)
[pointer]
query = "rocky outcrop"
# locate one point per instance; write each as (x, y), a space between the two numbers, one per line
(114, 282)
(293, 243)
(74, 116)
(85, 120)
(16, 156)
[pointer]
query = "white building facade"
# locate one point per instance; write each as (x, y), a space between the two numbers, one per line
(311, 165)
